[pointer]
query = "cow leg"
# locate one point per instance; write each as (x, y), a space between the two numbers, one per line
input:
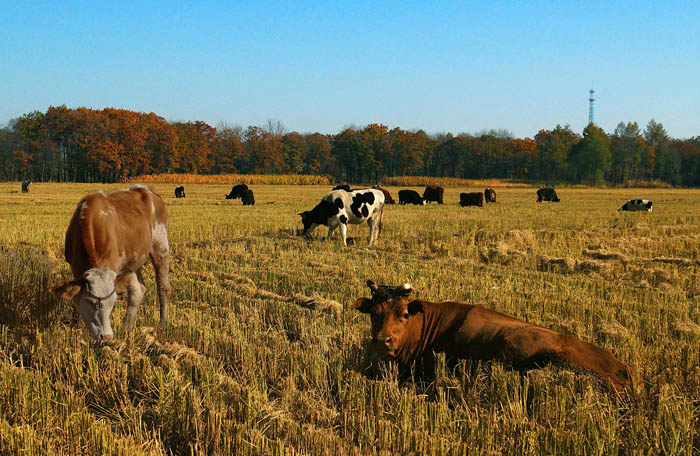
(344, 233)
(331, 229)
(372, 222)
(161, 264)
(136, 292)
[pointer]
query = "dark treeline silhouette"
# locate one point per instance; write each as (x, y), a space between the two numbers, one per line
(111, 145)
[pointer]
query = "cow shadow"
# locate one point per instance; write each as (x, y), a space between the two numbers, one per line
(298, 234)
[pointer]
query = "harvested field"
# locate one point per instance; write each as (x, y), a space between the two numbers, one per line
(264, 354)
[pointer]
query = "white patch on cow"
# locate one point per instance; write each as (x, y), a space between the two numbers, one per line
(96, 301)
(83, 208)
(159, 236)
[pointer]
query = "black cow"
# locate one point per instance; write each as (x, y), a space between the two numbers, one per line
(25, 186)
(237, 191)
(410, 197)
(547, 194)
(345, 187)
(471, 199)
(244, 193)
(180, 191)
(248, 198)
(490, 195)
(433, 193)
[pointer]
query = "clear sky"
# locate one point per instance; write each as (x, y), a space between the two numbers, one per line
(319, 66)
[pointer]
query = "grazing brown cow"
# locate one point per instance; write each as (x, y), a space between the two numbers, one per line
(471, 199)
(490, 195)
(387, 196)
(109, 239)
(433, 193)
(408, 330)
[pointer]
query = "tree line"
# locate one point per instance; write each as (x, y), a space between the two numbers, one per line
(112, 145)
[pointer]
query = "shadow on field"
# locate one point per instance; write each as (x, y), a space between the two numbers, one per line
(317, 236)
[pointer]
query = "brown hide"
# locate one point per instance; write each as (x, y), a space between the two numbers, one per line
(407, 329)
(490, 195)
(113, 229)
(387, 196)
(471, 199)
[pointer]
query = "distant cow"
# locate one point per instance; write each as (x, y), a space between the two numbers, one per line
(637, 205)
(471, 199)
(409, 330)
(490, 195)
(180, 191)
(345, 187)
(433, 193)
(26, 185)
(387, 196)
(547, 194)
(338, 208)
(248, 198)
(410, 197)
(110, 237)
(244, 193)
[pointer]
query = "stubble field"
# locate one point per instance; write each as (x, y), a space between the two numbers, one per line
(264, 354)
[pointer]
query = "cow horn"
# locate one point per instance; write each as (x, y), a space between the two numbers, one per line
(372, 286)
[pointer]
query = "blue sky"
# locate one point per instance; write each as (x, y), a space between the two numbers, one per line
(319, 66)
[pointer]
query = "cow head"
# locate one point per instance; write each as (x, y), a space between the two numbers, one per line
(306, 220)
(319, 215)
(237, 191)
(95, 294)
(390, 310)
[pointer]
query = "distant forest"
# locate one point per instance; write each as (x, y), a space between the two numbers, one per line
(113, 145)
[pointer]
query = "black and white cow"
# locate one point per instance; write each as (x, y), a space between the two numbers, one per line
(410, 197)
(338, 208)
(26, 185)
(637, 205)
(180, 191)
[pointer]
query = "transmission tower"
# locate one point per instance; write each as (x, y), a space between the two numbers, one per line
(590, 106)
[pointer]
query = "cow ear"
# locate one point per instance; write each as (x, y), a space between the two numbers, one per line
(67, 289)
(363, 305)
(414, 307)
(122, 282)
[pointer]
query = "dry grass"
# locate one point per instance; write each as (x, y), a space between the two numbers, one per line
(263, 354)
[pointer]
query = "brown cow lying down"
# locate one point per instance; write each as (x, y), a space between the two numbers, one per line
(407, 330)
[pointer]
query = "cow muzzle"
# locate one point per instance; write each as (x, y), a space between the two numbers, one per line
(384, 344)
